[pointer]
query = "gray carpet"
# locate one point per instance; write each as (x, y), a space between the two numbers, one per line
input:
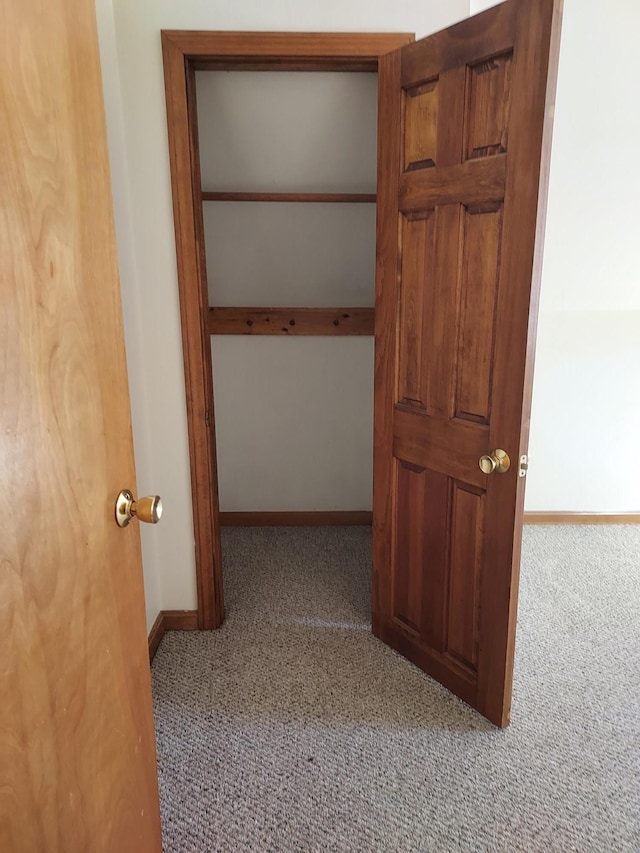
(293, 729)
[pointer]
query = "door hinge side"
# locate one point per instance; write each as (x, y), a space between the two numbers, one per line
(207, 418)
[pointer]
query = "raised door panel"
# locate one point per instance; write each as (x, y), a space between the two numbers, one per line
(466, 530)
(421, 126)
(488, 100)
(479, 277)
(418, 236)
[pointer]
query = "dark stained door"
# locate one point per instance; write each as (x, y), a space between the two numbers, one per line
(464, 137)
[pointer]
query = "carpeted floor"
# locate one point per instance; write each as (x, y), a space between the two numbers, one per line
(293, 729)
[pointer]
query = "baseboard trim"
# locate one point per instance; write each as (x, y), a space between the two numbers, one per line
(362, 517)
(171, 620)
(187, 620)
(295, 519)
(581, 518)
(180, 620)
(155, 635)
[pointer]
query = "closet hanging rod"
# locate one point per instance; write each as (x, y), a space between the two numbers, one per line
(354, 198)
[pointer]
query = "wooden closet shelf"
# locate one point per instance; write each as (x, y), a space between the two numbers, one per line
(354, 198)
(291, 321)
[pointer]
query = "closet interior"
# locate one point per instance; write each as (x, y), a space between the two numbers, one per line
(288, 172)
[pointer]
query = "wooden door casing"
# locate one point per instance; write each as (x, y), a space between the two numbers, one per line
(184, 52)
(77, 749)
(465, 122)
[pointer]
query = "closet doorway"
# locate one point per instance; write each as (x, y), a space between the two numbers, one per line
(288, 164)
(187, 58)
(463, 143)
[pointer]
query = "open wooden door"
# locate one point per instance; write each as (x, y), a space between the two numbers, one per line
(464, 137)
(77, 751)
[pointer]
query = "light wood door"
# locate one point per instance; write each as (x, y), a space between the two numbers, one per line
(464, 134)
(77, 752)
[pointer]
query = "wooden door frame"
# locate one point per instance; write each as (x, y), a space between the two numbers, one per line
(185, 52)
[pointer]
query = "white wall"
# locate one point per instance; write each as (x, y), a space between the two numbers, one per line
(290, 131)
(159, 382)
(585, 453)
(481, 5)
(293, 415)
(131, 302)
(584, 448)
(313, 255)
(294, 422)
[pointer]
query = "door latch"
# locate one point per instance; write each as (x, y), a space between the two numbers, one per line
(523, 467)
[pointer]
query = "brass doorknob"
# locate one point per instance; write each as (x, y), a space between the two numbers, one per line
(497, 461)
(147, 509)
